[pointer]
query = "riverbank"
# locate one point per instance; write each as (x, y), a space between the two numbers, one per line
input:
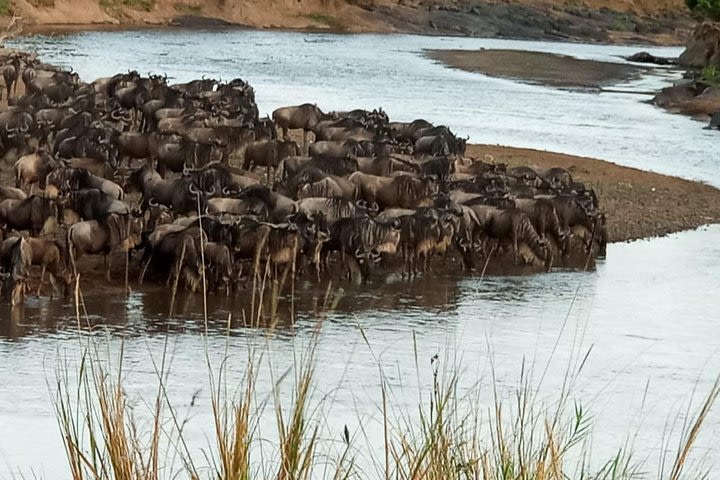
(538, 67)
(637, 204)
(606, 21)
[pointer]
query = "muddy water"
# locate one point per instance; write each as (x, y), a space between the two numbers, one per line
(649, 313)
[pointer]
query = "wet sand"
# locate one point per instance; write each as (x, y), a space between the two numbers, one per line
(538, 67)
(638, 204)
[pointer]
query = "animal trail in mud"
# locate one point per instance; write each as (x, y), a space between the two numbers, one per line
(186, 182)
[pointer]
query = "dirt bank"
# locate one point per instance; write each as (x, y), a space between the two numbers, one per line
(639, 21)
(538, 67)
(638, 204)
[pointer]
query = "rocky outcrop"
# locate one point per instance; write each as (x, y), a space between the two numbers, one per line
(703, 47)
(608, 21)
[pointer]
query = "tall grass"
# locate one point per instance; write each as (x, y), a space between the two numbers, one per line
(451, 435)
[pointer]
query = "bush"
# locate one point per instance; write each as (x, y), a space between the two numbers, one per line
(4, 7)
(706, 8)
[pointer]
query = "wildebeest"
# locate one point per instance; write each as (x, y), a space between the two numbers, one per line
(92, 237)
(34, 214)
(269, 153)
(361, 242)
(402, 191)
(305, 116)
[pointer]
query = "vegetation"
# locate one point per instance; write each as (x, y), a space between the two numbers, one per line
(145, 5)
(710, 75)
(706, 8)
(329, 20)
(5, 7)
(42, 3)
(450, 436)
(187, 9)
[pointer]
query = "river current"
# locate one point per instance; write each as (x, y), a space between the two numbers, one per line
(648, 314)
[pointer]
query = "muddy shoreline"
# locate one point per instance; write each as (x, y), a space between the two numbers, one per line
(538, 67)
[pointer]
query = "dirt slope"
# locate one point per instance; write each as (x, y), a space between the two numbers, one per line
(658, 21)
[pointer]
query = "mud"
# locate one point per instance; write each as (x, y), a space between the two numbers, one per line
(538, 67)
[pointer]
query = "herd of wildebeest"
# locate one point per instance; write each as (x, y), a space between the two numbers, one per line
(186, 181)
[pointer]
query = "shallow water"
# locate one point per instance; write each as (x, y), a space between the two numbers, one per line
(648, 313)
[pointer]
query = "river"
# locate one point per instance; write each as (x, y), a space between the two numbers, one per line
(649, 313)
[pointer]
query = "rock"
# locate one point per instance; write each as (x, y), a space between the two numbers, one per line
(671, 97)
(645, 57)
(714, 122)
(703, 47)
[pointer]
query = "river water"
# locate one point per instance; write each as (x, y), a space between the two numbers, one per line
(648, 314)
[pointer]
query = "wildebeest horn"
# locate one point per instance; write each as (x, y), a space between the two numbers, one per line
(193, 190)
(361, 203)
(212, 192)
(186, 170)
(153, 203)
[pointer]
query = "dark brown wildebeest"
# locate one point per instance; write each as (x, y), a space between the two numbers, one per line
(33, 168)
(69, 179)
(269, 154)
(512, 226)
(34, 214)
(402, 191)
(47, 254)
(11, 193)
(91, 237)
(332, 208)
(305, 116)
(334, 149)
(15, 261)
(179, 194)
(362, 241)
(544, 218)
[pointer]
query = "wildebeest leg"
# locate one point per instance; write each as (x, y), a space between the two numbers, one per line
(42, 277)
(71, 255)
(107, 266)
(53, 284)
(305, 142)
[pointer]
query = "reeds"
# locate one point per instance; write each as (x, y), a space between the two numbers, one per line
(452, 434)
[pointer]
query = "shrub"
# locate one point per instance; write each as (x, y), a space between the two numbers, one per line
(706, 8)
(4, 7)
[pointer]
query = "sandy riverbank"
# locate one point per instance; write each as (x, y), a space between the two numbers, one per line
(538, 67)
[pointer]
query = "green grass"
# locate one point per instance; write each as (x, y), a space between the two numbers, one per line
(449, 435)
(706, 8)
(711, 75)
(328, 20)
(5, 7)
(145, 5)
(187, 9)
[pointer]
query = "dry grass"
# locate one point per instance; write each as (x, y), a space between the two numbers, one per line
(451, 436)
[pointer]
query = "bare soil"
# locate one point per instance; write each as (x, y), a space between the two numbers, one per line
(622, 21)
(538, 67)
(638, 204)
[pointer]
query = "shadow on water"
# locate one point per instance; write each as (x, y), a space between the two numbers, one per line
(145, 311)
